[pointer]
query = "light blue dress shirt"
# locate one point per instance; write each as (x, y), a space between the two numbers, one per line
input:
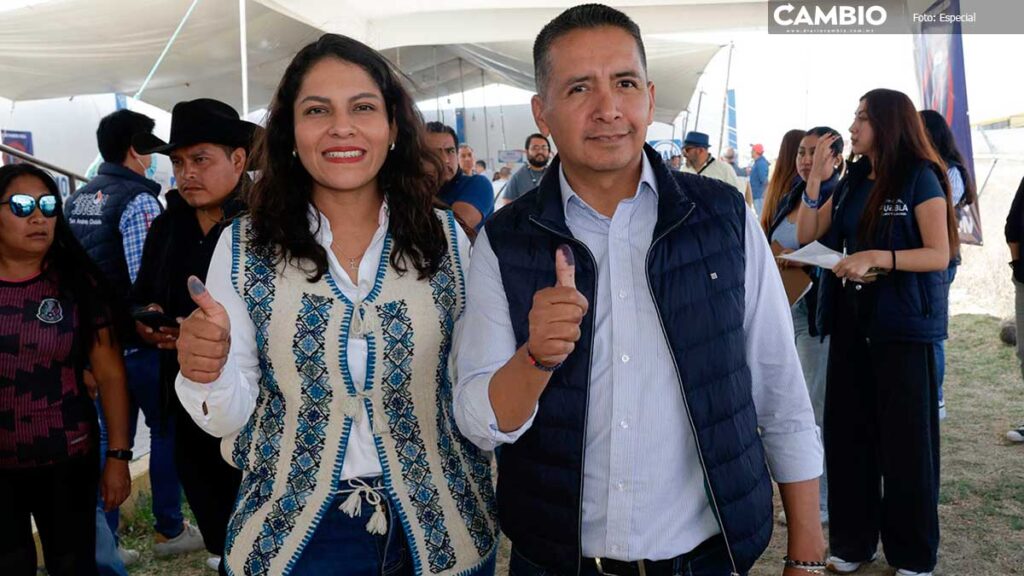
(643, 489)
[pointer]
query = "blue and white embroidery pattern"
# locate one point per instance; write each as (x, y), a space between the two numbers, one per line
(405, 430)
(310, 435)
(268, 417)
(443, 284)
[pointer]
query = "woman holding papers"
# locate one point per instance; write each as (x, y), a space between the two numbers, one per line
(782, 202)
(884, 305)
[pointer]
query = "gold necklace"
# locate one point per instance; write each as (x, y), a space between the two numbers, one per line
(353, 263)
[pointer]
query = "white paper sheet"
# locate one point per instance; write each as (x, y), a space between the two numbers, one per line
(815, 254)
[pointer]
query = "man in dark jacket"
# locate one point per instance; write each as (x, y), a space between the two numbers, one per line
(628, 342)
(208, 148)
(111, 216)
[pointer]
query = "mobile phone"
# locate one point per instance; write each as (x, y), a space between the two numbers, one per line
(154, 319)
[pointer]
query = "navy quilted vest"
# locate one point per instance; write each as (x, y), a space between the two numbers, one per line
(696, 270)
(94, 214)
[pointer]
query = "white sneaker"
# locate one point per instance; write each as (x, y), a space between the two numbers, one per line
(213, 563)
(840, 566)
(905, 572)
(128, 556)
(1016, 435)
(189, 540)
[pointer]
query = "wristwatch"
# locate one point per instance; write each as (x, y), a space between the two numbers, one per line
(125, 455)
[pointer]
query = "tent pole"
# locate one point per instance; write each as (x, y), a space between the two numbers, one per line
(243, 42)
(437, 90)
(725, 99)
(167, 48)
(487, 125)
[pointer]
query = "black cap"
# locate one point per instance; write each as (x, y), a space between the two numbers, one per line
(198, 121)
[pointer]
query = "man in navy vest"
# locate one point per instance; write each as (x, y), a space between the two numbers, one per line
(628, 343)
(111, 216)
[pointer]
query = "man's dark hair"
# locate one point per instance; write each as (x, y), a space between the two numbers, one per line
(533, 136)
(481, 164)
(441, 128)
(116, 130)
(584, 16)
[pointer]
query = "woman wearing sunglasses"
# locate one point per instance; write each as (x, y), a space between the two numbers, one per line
(55, 322)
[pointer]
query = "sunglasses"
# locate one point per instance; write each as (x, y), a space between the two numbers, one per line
(23, 205)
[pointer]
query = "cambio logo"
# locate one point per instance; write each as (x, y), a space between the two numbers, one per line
(789, 15)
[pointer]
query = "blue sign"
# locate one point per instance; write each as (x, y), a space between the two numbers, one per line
(667, 148)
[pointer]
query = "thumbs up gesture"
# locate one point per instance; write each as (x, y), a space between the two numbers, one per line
(557, 313)
(205, 337)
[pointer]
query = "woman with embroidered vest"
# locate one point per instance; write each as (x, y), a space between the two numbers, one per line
(320, 351)
(885, 305)
(964, 193)
(781, 204)
(57, 319)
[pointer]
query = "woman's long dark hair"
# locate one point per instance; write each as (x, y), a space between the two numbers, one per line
(899, 145)
(78, 278)
(942, 139)
(279, 201)
(782, 176)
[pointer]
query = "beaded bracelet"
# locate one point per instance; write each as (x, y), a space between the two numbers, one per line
(816, 567)
(812, 204)
(537, 364)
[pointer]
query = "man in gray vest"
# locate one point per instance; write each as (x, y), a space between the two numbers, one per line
(538, 152)
(110, 216)
(628, 343)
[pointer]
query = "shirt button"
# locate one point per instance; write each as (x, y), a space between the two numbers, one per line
(625, 358)
(622, 294)
(623, 424)
(620, 486)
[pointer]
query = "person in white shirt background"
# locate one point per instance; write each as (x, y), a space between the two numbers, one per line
(320, 350)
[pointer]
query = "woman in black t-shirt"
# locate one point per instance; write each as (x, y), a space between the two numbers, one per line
(885, 305)
(54, 322)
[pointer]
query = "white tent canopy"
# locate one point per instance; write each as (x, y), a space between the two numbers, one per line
(67, 47)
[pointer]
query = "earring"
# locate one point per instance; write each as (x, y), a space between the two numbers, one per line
(294, 153)
(392, 147)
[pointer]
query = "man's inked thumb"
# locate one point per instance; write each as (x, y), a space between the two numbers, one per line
(565, 267)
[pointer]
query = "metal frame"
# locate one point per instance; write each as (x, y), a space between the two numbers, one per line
(72, 177)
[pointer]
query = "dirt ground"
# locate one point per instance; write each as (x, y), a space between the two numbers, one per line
(982, 497)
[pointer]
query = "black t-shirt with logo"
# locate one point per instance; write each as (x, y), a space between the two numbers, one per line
(846, 228)
(46, 416)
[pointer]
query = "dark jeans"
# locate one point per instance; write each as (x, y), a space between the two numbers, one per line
(709, 559)
(211, 485)
(62, 499)
(143, 371)
(881, 445)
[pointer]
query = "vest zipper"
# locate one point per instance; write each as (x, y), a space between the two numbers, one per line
(686, 404)
(586, 408)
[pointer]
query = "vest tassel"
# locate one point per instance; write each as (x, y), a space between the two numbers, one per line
(378, 524)
(353, 505)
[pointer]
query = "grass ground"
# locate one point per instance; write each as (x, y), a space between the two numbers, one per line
(982, 498)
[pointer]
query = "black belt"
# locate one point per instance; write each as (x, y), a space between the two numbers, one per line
(667, 567)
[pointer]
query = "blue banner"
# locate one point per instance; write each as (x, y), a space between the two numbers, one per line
(730, 97)
(939, 52)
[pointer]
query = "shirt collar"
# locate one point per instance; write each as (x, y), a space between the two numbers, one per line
(646, 177)
(323, 233)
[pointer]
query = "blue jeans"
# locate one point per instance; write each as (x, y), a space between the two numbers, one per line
(341, 545)
(758, 205)
(143, 372)
(813, 353)
(108, 562)
(940, 359)
(713, 560)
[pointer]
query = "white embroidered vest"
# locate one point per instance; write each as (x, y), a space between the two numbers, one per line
(292, 449)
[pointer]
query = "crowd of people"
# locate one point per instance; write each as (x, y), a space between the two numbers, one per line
(338, 322)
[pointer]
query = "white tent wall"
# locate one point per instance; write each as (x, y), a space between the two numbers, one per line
(64, 129)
